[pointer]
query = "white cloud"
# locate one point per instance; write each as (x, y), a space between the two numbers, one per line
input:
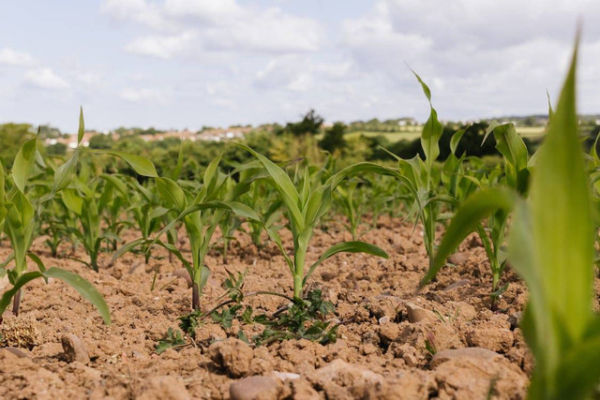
(10, 56)
(136, 95)
(89, 78)
(45, 78)
(222, 26)
(207, 10)
(481, 57)
(163, 47)
(140, 11)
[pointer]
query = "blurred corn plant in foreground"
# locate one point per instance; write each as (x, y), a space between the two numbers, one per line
(551, 245)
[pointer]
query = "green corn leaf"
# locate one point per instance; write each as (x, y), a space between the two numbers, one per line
(455, 140)
(72, 200)
(241, 210)
(81, 128)
(211, 174)
(23, 164)
(64, 174)
(18, 284)
(85, 289)
(127, 248)
(178, 167)
(360, 169)
(550, 111)
(511, 146)
(476, 208)
(423, 86)
(284, 186)
(346, 247)
(562, 220)
(21, 211)
(38, 261)
(202, 278)
(274, 235)
(171, 193)
(552, 247)
(432, 130)
(116, 182)
(157, 213)
(140, 164)
(2, 189)
(579, 370)
(430, 137)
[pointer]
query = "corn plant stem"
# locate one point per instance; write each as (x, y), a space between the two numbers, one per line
(195, 297)
(299, 259)
(17, 303)
(429, 234)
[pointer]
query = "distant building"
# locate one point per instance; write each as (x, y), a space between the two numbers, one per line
(213, 134)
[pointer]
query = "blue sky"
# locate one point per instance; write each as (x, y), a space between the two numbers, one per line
(189, 63)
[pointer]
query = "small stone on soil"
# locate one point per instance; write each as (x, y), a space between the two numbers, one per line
(74, 349)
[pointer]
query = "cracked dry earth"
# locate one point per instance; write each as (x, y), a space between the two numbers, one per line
(59, 348)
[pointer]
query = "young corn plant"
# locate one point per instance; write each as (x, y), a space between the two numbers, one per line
(349, 203)
(201, 208)
(148, 217)
(422, 178)
(20, 212)
(89, 198)
(263, 199)
(304, 207)
(515, 175)
(55, 218)
(551, 245)
(228, 224)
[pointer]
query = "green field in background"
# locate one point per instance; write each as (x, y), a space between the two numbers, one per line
(414, 132)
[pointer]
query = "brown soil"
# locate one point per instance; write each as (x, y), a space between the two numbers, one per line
(58, 347)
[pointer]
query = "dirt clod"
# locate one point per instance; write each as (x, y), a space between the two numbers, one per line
(418, 314)
(256, 388)
(232, 356)
(164, 388)
(340, 379)
(19, 331)
(477, 353)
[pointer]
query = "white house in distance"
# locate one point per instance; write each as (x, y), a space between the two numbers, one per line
(214, 135)
(71, 140)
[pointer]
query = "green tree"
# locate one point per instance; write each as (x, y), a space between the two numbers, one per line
(310, 124)
(57, 149)
(101, 141)
(334, 138)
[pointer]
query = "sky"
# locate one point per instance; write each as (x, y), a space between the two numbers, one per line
(190, 63)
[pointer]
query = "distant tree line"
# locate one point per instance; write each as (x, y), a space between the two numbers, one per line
(273, 139)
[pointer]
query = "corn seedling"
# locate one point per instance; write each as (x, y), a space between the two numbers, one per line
(19, 215)
(350, 204)
(200, 208)
(304, 206)
(422, 178)
(551, 245)
(148, 216)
